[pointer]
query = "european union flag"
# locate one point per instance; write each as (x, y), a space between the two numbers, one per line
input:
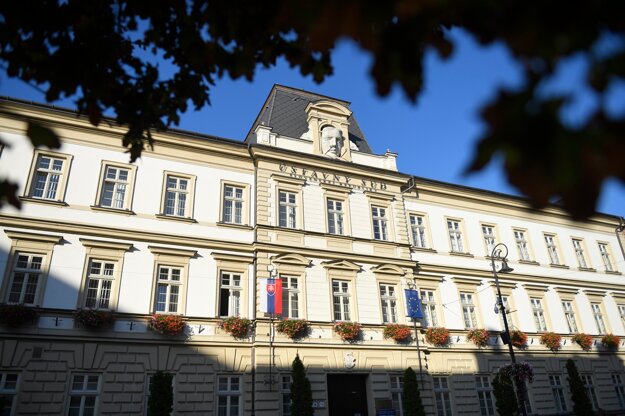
(413, 304)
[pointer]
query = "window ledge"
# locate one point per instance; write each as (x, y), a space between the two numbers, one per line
(457, 253)
(559, 266)
(531, 262)
(172, 217)
(386, 242)
(112, 210)
(424, 249)
(43, 201)
(615, 273)
(234, 225)
(586, 269)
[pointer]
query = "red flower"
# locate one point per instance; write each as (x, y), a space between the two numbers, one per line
(398, 332)
(518, 339)
(348, 331)
(583, 340)
(438, 336)
(479, 337)
(235, 326)
(93, 319)
(167, 324)
(293, 328)
(610, 341)
(552, 341)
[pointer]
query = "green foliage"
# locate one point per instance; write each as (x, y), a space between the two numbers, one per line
(505, 397)
(411, 397)
(581, 402)
(301, 394)
(161, 401)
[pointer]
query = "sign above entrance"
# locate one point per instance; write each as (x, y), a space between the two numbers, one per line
(332, 178)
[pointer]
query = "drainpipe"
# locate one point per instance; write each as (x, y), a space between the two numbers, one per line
(620, 229)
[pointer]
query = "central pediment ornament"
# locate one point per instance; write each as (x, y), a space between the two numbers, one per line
(342, 265)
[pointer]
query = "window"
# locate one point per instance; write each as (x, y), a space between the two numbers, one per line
(49, 176)
(569, 315)
(621, 311)
(178, 196)
(506, 307)
(340, 295)
(288, 209)
(229, 396)
(380, 231)
(233, 204)
(455, 236)
(83, 395)
(539, 315)
(397, 390)
(552, 249)
(488, 233)
(417, 226)
(230, 294)
(290, 293)
(442, 396)
(468, 310)
(605, 256)
(579, 253)
(596, 311)
(168, 289)
(100, 278)
(335, 216)
(286, 395)
(521, 245)
(590, 390)
(617, 382)
(8, 390)
(558, 392)
(389, 303)
(26, 278)
(485, 396)
(428, 304)
(116, 187)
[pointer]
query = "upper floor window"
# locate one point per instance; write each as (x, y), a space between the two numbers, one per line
(114, 187)
(428, 304)
(521, 245)
(605, 257)
(579, 253)
(380, 223)
(557, 392)
(552, 249)
(168, 288)
(100, 277)
(335, 216)
(83, 395)
(340, 295)
(230, 294)
(488, 233)
(178, 200)
(389, 303)
(229, 396)
(569, 315)
(598, 315)
(621, 311)
(290, 297)
(468, 310)
(287, 209)
(539, 315)
(455, 236)
(26, 278)
(49, 176)
(417, 227)
(506, 308)
(485, 396)
(233, 204)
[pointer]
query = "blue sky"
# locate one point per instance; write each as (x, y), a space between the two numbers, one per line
(435, 137)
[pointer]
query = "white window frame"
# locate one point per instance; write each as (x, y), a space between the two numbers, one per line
(522, 244)
(578, 247)
(84, 392)
(396, 382)
(229, 393)
(128, 186)
(538, 313)
(341, 299)
(597, 313)
(489, 237)
(233, 291)
(380, 222)
(103, 278)
(174, 288)
(61, 182)
(589, 386)
(454, 231)
(428, 304)
(442, 396)
(177, 191)
(336, 215)
(505, 299)
(469, 310)
(552, 249)
(605, 253)
(619, 389)
(11, 379)
(234, 203)
(290, 297)
(28, 273)
(388, 303)
(557, 391)
(569, 316)
(621, 311)
(285, 394)
(485, 395)
(288, 209)
(418, 230)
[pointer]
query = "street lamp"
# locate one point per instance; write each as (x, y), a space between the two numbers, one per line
(500, 253)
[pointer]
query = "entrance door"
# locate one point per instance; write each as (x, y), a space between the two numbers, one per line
(347, 394)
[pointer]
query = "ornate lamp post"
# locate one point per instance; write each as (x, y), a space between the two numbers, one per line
(500, 253)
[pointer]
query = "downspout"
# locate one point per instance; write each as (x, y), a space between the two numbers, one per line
(620, 229)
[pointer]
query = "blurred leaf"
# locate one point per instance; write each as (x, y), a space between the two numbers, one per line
(42, 136)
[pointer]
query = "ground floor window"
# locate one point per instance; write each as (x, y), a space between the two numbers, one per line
(285, 392)
(8, 389)
(397, 389)
(83, 395)
(229, 396)
(485, 395)
(590, 390)
(442, 396)
(558, 392)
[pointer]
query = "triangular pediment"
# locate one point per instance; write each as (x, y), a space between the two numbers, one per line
(389, 269)
(342, 265)
(292, 259)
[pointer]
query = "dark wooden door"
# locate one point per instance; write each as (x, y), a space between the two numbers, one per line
(347, 394)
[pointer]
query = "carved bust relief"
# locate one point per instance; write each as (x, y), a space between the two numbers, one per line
(332, 141)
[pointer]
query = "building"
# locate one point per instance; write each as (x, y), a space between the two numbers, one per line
(193, 227)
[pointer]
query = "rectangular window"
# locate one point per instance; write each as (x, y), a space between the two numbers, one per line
(428, 304)
(506, 307)
(596, 311)
(230, 294)
(569, 314)
(621, 311)
(48, 177)
(114, 187)
(340, 295)
(397, 390)
(557, 392)
(619, 391)
(485, 396)
(605, 256)
(579, 253)
(83, 395)
(290, 294)
(176, 196)
(233, 204)
(455, 236)
(442, 396)
(539, 315)
(521, 245)
(168, 289)
(100, 277)
(335, 216)
(288, 209)
(229, 396)
(590, 390)
(468, 310)
(488, 233)
(417, 226)
(25, 279)
(380, 229)
(8, 390)
(389, 303)
(552, 249)
(286, 395)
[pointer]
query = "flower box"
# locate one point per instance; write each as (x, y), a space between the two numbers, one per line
(583, 340)
(552, 341)
(235, 326)
(167, 324)
(93, 319)
(293, 328)
(479, 336)
(610, 341)
(348, 331)
(398, 332)
(438, 336)
(16, 315)
(518, 339)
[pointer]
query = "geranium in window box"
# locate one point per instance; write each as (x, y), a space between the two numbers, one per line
(235, 326)
(348, 331)
(293, 328)
(610, 341)
(518, 339)
(438, 336)
(398, 332)
(583, 340)
(167, 324)
(93, 318)
(552, 341)
(479, 336)
(16, 315)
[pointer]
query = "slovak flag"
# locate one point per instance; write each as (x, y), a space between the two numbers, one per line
(271, 296)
